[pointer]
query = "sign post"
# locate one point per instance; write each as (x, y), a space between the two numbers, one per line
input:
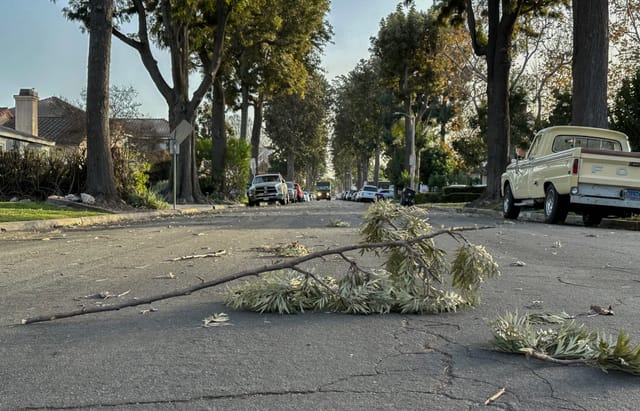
(178, 135)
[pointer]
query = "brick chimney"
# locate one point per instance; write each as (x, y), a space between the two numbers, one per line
(27, 111)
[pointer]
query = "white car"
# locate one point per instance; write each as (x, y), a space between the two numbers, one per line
(386, 193)
(367, 193)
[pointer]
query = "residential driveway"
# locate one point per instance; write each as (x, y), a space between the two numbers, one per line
(160, 357)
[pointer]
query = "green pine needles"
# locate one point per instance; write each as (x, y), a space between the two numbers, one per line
(412, 278)
(564, 343)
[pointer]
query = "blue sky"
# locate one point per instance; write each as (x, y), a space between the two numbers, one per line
(43, 50)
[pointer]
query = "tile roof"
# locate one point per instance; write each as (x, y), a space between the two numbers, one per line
(65, 124)
(25, 137)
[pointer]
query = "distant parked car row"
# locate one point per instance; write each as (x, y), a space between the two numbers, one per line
(273, 188)
(368, 193)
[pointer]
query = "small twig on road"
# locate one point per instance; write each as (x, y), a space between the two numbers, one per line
(218, 253)
(284, 264)
(495, 396)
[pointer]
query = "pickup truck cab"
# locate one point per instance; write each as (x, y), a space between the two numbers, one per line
(586, 170)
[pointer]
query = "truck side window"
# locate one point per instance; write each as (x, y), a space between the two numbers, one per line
(561, 143)
(532, 149)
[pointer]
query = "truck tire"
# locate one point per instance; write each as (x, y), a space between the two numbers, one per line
(556, 206)
(591, 218)
(509, 209)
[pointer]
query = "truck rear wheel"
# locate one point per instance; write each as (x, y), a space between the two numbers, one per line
(509, 209)
(556, 206)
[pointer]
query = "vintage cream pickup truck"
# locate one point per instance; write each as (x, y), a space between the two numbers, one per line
(585, 170)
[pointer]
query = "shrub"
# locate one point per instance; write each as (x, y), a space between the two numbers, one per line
(429, 197)
(463, 189)
(37, 175)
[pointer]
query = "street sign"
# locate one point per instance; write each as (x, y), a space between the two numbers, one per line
(181, 132)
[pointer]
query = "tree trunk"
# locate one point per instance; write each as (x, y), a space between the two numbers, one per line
(376, 164)
(498, 127)
(256, 130)
(244, 112)
(590, 63)
(410, 142)
(219, 137)
(100, 174)
(291, 170)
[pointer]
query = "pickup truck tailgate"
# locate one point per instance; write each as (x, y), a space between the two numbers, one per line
(610, 168)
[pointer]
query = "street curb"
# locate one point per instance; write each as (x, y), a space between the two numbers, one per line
(539, 217)
(49, 225)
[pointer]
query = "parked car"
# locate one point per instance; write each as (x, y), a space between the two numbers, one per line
(367, 193)
(307, 196)
(386, 193)
(267, 187)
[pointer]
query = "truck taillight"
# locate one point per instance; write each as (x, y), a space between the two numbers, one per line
(574, 168)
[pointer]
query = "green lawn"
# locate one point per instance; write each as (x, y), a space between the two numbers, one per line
(37, 211)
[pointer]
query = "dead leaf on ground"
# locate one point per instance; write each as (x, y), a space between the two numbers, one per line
(106, 294)
(168, 276)
(597, 310)
(216, 320)
(294, 249)
(148, 310)
(338, 223)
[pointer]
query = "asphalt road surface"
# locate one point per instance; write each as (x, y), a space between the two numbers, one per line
(160, 357)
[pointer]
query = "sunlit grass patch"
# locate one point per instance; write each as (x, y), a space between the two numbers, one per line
(30, 211)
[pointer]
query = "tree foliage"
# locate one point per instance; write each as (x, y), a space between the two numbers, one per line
(406, 47)
(361, 109)
(625, 113)
(273, 48)
(297, 125)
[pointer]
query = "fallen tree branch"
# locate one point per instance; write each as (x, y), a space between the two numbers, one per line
(289, 263)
